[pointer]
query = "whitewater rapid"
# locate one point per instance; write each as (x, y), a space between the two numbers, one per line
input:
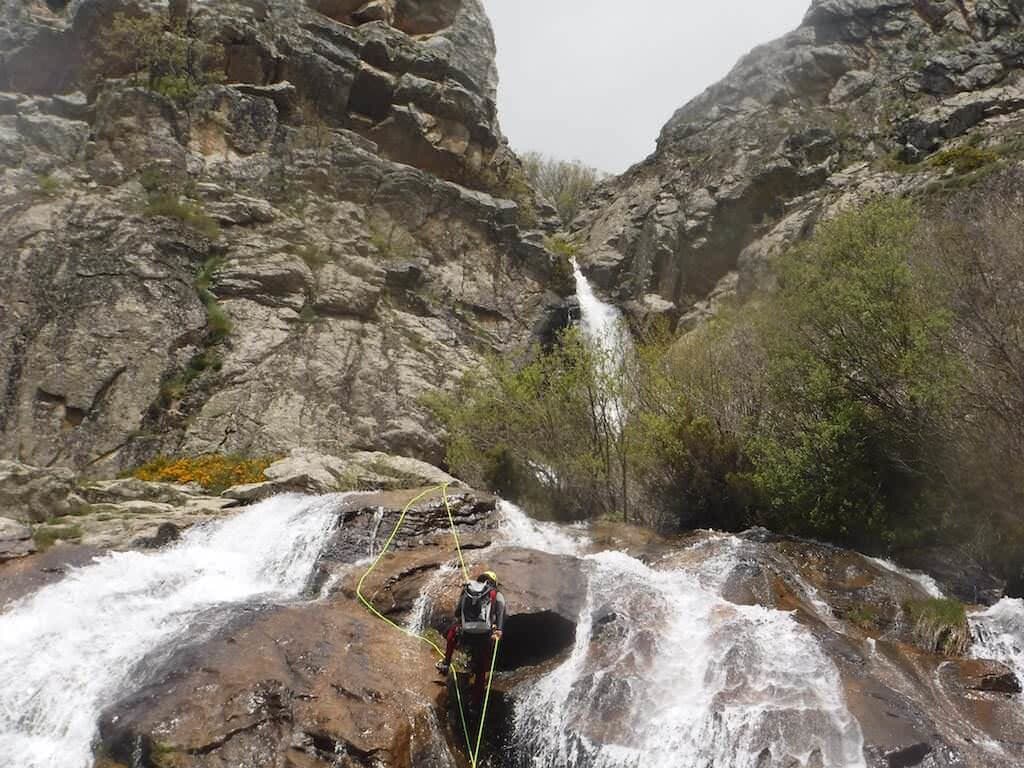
(998, 634)
(69, 649)
(666, 672)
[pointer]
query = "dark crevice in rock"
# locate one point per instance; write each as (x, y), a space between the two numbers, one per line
(218, 743)
(533, 638)
(908, 757)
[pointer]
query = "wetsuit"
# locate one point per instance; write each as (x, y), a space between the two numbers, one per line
(479, 647)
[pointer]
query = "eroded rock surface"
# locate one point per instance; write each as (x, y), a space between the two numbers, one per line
(859, 101)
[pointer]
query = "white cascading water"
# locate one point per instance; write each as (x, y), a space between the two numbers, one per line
(666, 672)
(605, 330)
(923, 580)
(998, 634)
(520, 530)
(69, 649)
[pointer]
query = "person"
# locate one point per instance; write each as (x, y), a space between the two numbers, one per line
(478, 626)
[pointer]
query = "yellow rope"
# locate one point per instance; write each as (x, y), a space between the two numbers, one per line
(473, 753)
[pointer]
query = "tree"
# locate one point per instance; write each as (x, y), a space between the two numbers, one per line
(860, 380)
(564, 184)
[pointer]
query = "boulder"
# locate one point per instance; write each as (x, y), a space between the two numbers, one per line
(15, 539)
(347, 686)
(133, 489)
(33, 494)
(988, 676)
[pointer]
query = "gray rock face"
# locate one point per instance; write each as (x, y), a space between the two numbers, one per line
(849, 105)
(33, 494)
(310, 268)
(15, 539)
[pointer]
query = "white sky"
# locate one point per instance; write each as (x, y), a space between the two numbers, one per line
(595, 80)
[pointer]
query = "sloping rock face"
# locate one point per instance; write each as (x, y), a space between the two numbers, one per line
(860, 100)
(291, 259)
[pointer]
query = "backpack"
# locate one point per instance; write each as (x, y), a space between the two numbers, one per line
(477, 600)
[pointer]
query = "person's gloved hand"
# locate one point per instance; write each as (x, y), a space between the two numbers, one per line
(496, 635)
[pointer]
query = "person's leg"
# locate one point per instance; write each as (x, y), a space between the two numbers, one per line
(452, 641)
(482, 653)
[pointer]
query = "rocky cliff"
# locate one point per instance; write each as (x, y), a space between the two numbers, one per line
(866, 97)
(291, 253)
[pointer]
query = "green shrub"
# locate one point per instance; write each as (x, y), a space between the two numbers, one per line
(565, 184)
(858, 380)
(217, 321)
(176, 387)
(964, 159)
(172, 61)
(562, 280)
(864, 616)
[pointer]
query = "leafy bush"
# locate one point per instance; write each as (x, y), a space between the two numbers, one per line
(964, 159)
(213, 472)
(565, 184)
(858, 379)
(173, 62)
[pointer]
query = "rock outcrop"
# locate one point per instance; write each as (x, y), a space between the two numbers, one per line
(294, 258)
(866, 97)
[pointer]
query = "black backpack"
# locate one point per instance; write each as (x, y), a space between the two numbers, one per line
(477, 600)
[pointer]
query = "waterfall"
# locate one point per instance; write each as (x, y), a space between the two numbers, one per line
(666, 672)
(602, 323)
(605, 331)
(998, 634)
(68, 650)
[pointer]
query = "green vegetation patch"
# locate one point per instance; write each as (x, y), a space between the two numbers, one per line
(167, 56)
(171, 205)
(49, 186)
(964, 159)
(45, 536)
(939, 625)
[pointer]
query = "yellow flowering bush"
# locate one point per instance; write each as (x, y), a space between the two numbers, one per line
(213, 471)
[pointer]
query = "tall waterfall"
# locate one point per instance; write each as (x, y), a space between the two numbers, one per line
(66, 651)
(605, 331)
(602, 323)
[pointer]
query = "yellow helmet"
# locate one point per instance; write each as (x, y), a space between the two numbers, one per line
(489, 576)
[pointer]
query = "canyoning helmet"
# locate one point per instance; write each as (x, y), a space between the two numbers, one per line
(488, 576)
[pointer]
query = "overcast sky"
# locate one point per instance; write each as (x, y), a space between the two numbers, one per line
(595, 80)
